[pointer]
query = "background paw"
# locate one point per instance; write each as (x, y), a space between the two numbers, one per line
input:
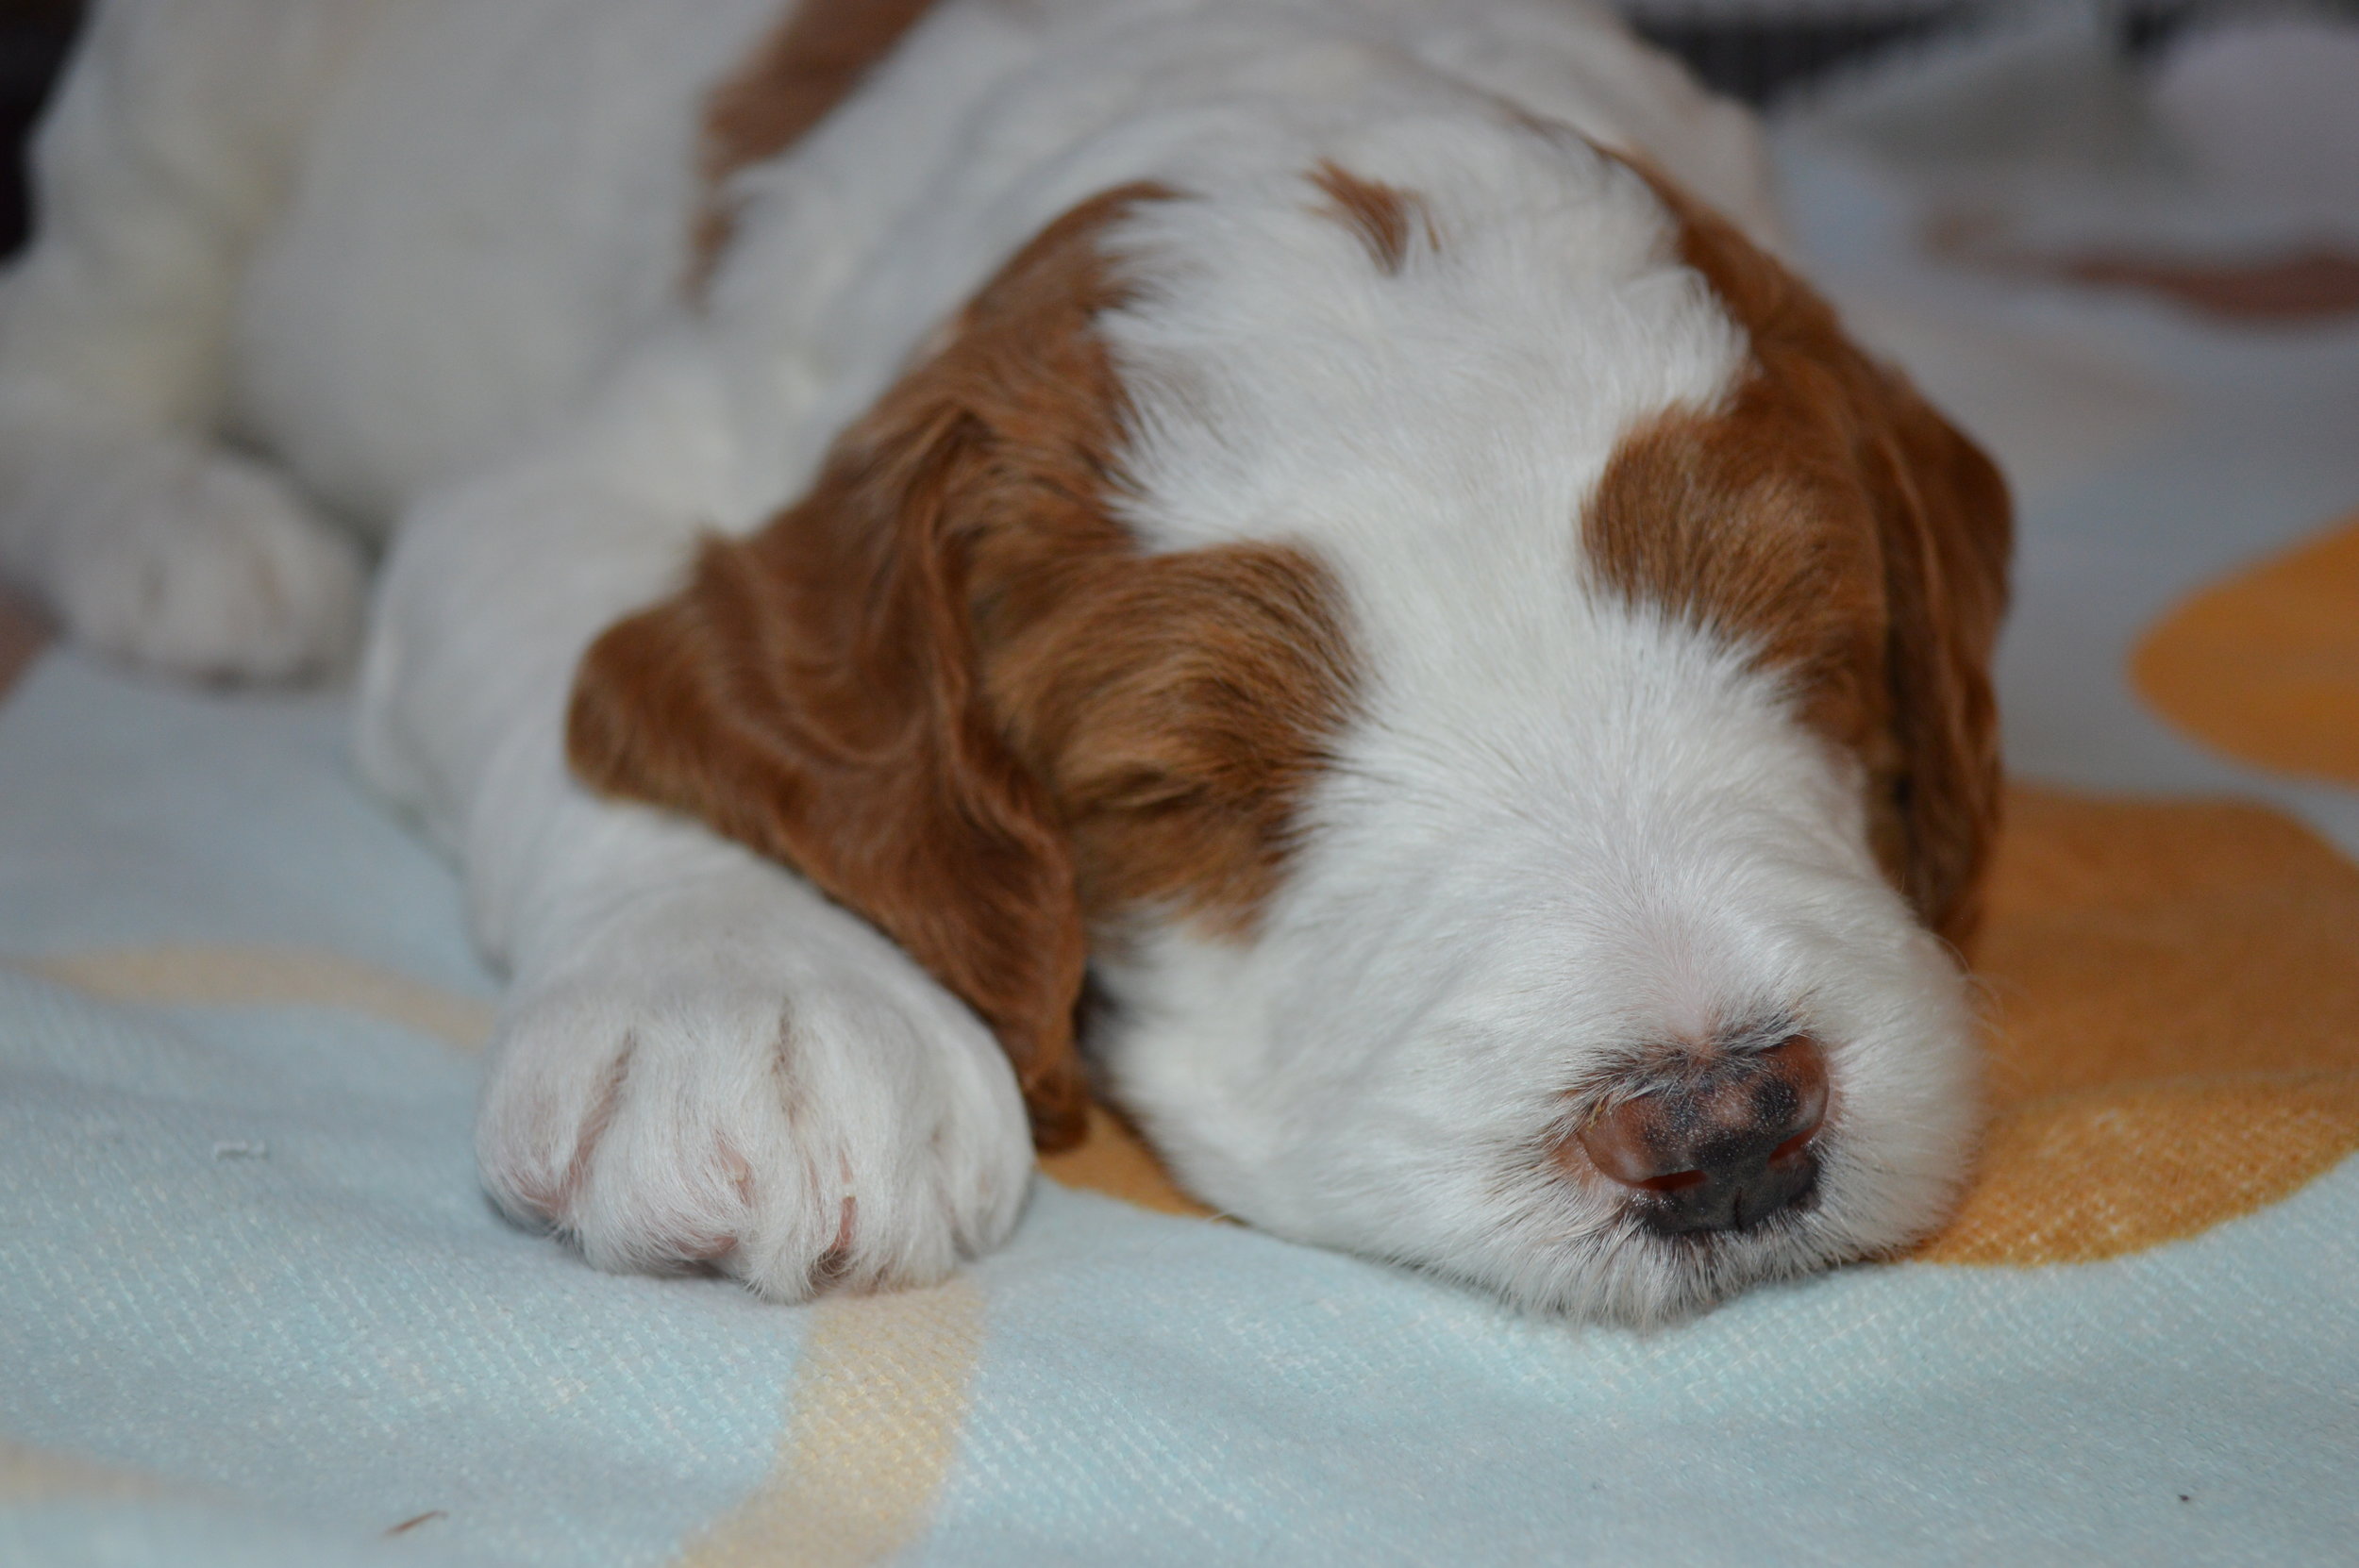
(207, 565)
(805, 1114)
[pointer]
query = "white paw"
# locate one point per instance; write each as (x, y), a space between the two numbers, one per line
(735, 1073)
(207, 565)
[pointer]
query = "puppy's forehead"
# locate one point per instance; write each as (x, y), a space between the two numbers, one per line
(1416, 369)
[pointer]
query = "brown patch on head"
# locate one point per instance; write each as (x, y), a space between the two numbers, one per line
(1829, 520)
(1382, 216)
(1175, 706)
(947, 687)
(809, 63)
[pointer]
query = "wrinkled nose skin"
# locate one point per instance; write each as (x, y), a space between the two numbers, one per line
(1724, 1147)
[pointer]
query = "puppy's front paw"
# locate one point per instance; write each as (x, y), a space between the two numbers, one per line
(205, 565)
(763, 1085)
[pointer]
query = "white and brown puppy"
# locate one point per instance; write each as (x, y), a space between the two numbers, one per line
(1312, 515)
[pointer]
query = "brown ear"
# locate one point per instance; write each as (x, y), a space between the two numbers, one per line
(1946, 528)
(1943, 529)
(816, 691)
(813, 694)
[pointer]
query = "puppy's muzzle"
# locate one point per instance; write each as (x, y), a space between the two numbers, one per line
(1724, 1145)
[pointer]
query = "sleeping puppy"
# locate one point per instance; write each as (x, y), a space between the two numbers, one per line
(1307, 543)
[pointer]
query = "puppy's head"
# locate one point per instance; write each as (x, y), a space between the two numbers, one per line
(1487, 679)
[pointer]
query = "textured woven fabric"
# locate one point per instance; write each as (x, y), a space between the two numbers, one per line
(2265, 665)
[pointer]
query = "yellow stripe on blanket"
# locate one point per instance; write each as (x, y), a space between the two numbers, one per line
(197, 975)
(872, 1425)
(30, 1475)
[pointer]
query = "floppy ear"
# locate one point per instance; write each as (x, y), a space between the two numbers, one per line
(814, 694)
(817, 693)
(1946, 528)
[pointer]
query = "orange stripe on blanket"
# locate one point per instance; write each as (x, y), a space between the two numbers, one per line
(2175, 990)
(1114, 1160)
(2087, 1177)
(2265, 665)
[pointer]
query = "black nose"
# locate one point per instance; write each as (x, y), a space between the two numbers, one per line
(1723, 1147)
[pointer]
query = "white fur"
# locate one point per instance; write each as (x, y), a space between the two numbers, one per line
(774, 1085)
(426, 253)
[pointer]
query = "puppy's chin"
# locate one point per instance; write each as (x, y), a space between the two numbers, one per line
(1604, 1262)
(1630, 1277)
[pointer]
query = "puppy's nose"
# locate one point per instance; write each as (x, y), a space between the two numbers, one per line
(1723, 1147)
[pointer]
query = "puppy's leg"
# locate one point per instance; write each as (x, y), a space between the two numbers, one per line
(163, 158)
(701, 1060)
